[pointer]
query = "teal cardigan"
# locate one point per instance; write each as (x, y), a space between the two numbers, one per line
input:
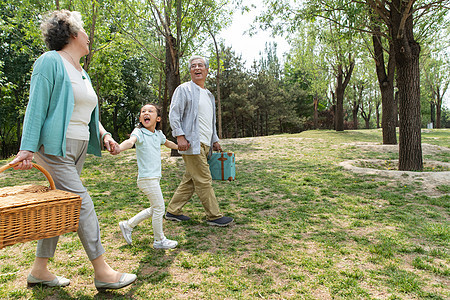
(50, 108)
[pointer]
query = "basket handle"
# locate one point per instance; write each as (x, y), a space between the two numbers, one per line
(40, 168)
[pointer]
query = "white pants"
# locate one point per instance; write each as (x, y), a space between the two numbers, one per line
(150, 187)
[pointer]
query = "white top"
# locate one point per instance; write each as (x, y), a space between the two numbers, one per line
(85, 102)
(205, 118)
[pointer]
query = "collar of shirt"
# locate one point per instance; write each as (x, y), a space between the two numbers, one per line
(147, 132)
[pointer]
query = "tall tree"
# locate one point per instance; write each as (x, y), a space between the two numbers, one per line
(181, 24)
(265, 91)
(384, 50)
(363, 89)
(400, 17)
(218, 68)
(237, 109)
(366, 112)
(306, 73)
(20, 45)
(342, 59)
(407, 52)
(357, 91)
(437, 80)
(218, 94)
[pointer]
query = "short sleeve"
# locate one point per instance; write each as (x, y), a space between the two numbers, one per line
(162, 137)
(137, 133)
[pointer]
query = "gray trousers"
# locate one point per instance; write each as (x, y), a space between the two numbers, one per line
(66, 174)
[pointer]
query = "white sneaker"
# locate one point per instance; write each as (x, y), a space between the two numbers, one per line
(165, 244)
(126, 231)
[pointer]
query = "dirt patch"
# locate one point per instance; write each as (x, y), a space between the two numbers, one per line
(427, 149)
(430, 180)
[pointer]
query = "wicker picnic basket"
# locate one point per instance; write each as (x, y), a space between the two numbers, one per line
(34, 212)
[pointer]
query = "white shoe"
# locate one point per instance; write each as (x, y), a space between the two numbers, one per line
(58, 281)
(165, 244)
(126, 231)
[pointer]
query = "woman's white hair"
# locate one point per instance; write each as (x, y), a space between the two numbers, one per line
(72, 18)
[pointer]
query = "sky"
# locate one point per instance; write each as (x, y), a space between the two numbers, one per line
(250, 47)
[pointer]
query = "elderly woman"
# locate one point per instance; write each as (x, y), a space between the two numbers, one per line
(61, 125)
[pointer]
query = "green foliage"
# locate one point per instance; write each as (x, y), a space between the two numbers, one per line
(436, 81)
(127, 66)
(19, 46)
(255, 102)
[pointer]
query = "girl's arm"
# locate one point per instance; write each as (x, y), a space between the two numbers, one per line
(171, 145)
(127, 144)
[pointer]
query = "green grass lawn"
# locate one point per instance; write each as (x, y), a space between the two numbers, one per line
(305, 228)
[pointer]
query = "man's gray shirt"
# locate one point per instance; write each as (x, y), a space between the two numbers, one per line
(183, 115)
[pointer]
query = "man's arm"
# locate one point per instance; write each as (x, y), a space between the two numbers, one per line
(183, 143)
(177, 107)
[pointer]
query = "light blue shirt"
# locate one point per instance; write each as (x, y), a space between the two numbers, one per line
(148, 152)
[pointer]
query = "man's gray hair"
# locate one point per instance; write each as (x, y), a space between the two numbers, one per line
(194, 57)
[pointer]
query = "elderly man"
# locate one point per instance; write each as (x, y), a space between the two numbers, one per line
(193, 120)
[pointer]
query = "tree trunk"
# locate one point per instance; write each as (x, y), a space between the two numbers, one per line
(386, 84)
(438, 110)
(257, 123)
(316, 112)
(339, 115)
(266, 121)
(172, 82)
(333, 108)
(355, 114)
(160, 88)
(366, 116)
(164, 111)
(236, 125)
(377, 112)
(432, 119)
(342, 82)
(172, 73)
(218, 99)
(396, 108)
(88, 58)
(407, 52)
(438, 116)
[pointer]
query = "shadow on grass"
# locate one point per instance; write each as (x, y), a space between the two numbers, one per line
(303, 227)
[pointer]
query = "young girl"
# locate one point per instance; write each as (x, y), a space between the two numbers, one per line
(148, 140)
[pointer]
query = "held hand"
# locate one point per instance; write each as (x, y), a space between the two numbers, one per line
(183, 144)
(217, 147)
(111, 145)
(115, 148)
(24, 159)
